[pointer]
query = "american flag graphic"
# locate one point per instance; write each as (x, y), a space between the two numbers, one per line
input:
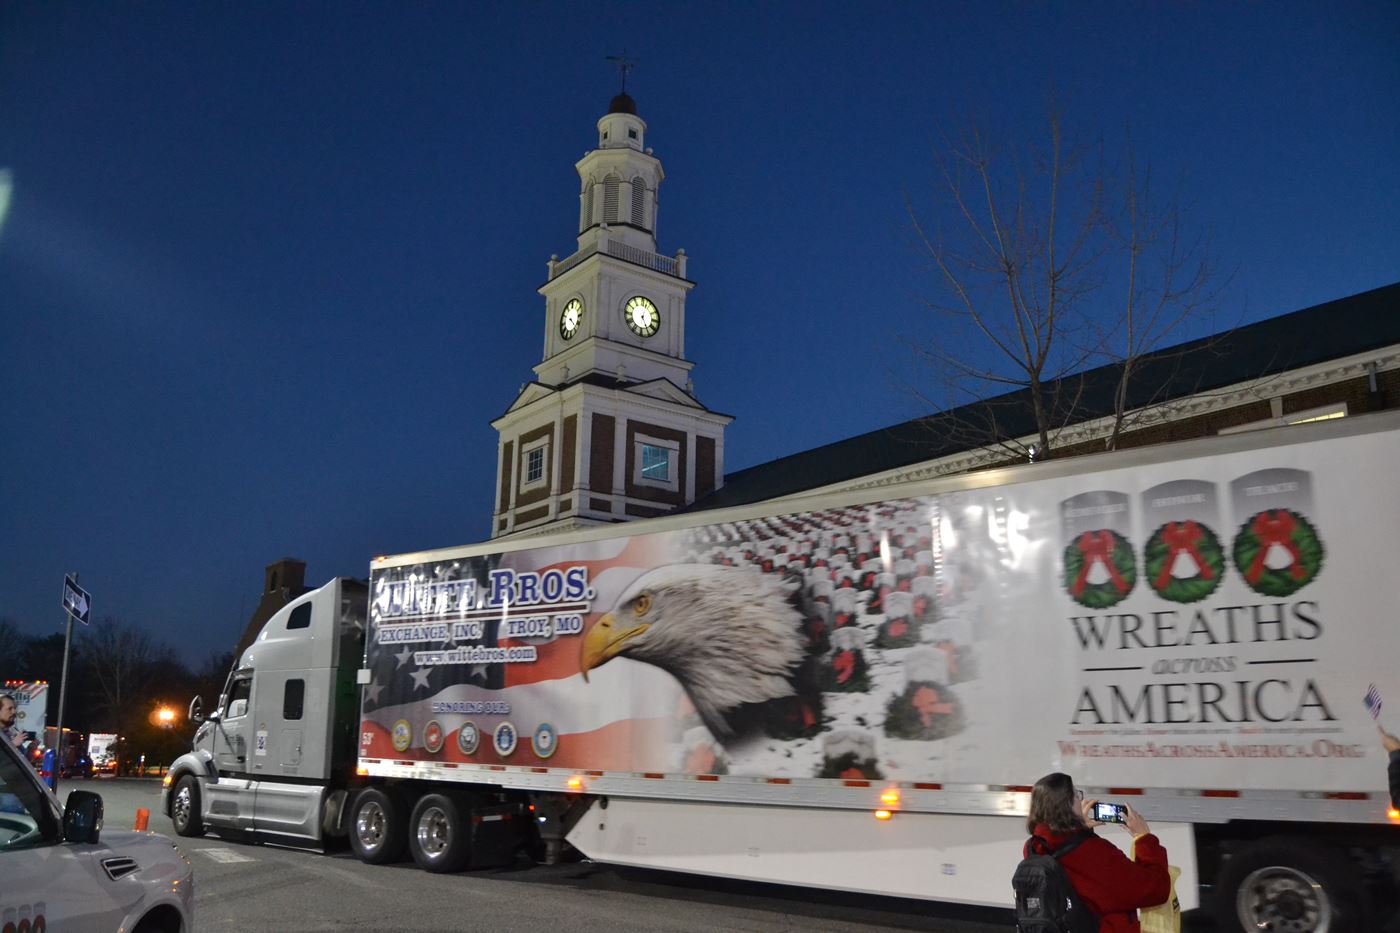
(1373, 702)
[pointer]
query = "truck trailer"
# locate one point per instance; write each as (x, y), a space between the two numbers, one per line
(856, 690)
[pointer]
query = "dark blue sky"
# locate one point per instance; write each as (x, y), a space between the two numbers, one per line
(268, 270)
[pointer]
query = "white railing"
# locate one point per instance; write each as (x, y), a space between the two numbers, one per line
(666, 265)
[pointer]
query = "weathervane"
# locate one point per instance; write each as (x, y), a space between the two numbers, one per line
(624, 66)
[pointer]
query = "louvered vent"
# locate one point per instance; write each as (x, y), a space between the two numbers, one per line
(119, 866)
(586, 220)
(610, 192)
(639, 196)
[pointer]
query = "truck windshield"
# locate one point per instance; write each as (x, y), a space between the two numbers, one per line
(27, 818)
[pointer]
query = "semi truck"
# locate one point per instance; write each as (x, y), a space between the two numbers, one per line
(857, 690)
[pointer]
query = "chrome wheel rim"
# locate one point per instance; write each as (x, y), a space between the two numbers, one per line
(434, 832)
(370, 826)
(182, 807)
(1283, 899)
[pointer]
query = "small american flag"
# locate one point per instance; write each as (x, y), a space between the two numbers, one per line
(1373, 702)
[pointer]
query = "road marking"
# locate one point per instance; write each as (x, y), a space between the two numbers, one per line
(227, 856)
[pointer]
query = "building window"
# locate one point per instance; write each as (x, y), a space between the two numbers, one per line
(656, 463)
(631, 133)
(639, 197)
(292, 697)
(534, 458)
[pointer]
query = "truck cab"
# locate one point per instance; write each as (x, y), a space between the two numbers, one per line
(273, 758)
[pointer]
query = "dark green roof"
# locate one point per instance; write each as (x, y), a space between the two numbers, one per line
(1314, 335)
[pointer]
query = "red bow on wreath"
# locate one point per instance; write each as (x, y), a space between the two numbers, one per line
(844, 664)
(929, 704)
(1182, 539)
(1097, 548)
(1274, 528)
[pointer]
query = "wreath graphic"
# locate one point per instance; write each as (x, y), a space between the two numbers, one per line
(926, 710)
(1167, 545)
(1104, 548)
(1283, 528)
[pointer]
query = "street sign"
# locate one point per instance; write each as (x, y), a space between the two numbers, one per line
(76, 600)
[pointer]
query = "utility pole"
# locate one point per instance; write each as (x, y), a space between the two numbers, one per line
(62, 697)
(77, 604)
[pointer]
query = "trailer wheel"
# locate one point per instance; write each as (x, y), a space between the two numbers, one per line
(438, 837)
(377, 826)
(1290, 886)
(184, 807)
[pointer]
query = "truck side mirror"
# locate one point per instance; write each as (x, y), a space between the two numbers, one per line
(196, 711)
(82, 817)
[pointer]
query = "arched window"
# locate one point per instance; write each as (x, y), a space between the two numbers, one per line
(586, 218)
(639, 194)
(610, 186)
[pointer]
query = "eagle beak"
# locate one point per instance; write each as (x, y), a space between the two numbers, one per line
(604, 641)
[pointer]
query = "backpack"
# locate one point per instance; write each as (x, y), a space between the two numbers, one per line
(1045, 900)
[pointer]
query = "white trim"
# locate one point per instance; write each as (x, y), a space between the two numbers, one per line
(1324, 413)
(672, 482)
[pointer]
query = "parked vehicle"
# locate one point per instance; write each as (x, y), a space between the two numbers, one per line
(856, 691)
(60, 871)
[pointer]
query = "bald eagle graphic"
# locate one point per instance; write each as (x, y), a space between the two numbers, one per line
(729, 635)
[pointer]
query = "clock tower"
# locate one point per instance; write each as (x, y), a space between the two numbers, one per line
(610, 428)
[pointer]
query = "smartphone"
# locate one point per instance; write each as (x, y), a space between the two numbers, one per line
(1110, 812)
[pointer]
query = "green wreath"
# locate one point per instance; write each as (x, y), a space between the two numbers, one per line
(1288, 529)
(851, 766)
(1199, 542)
(926, 710)
(1122, 568)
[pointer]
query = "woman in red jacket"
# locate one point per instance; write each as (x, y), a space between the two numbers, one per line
(1112, 885)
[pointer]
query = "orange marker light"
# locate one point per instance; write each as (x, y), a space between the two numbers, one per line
(883, 814)
(362, 771)
(1394, 814)
(166, 780)
(575, 783)
(890, 798)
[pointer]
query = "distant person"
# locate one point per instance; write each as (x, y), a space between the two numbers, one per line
(1109, 883)
(1392, 746)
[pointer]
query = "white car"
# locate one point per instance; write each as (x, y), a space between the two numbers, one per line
(55, 874)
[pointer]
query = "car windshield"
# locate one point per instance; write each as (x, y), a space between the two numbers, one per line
(27, 816)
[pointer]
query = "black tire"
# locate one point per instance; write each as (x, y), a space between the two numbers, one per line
(1290, 885)
(438, 836)
(184, 807)
(378, 828)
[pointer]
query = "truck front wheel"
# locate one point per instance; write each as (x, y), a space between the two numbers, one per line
(438, 839)
(1290, 886)
(184, 807)
(377, 826)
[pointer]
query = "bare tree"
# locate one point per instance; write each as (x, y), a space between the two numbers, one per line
(1167, 277)
(125, 667)
(13, 643)
(1027, 246)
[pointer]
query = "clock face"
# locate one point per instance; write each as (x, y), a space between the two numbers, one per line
(641, 315)
(570, 319)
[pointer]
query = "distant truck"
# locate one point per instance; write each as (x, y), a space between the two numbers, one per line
(856, 691)
(100, 751)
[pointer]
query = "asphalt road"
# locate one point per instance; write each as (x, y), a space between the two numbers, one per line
(240, 886)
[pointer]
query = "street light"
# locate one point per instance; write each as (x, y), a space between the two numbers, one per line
(165, 716)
